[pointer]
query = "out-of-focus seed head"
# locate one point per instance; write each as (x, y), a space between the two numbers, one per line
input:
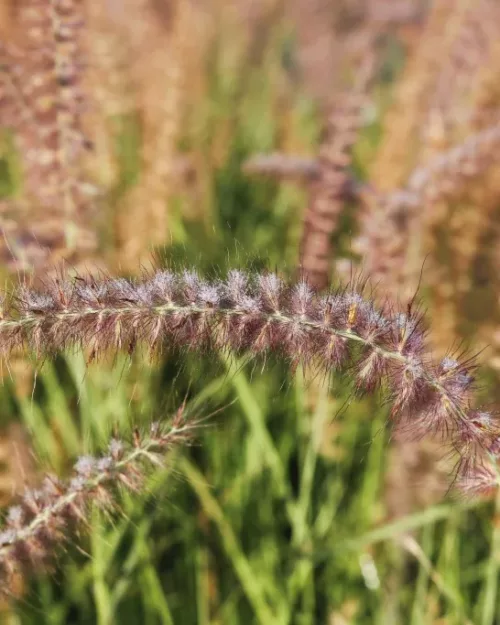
(85, 466)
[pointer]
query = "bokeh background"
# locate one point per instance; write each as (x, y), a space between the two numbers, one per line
(138, 133)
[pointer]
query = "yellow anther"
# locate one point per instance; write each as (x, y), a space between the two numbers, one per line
(351, 318)
(446, 404)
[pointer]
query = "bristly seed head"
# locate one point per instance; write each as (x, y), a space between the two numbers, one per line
(260, 314)
(43, 519)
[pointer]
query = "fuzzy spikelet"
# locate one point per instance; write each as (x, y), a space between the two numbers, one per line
(481, 481)
(261, 314)
(35, 528)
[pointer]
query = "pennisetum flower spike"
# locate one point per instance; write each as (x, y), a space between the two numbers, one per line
(337, 330)
(35, 528)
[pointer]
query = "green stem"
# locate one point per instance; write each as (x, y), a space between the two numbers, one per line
(392, 530)
(249, 578)
(490, 605)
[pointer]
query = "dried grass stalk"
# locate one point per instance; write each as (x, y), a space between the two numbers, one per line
(402, 124)
(159, 56)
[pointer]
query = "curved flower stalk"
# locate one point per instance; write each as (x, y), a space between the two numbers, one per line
(35, 528)
(340, 330)
(389, 219)
(448, 171)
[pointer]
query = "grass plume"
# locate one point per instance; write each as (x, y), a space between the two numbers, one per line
(36, 527)
(340, 330)
(42, 77)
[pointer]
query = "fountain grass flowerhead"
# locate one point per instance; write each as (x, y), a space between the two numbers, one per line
(339, 330)
(44, 519)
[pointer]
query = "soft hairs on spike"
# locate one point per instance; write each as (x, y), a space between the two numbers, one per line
(337, 330)
(35, 527)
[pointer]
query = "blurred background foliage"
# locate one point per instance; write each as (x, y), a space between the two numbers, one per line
(296, 505)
